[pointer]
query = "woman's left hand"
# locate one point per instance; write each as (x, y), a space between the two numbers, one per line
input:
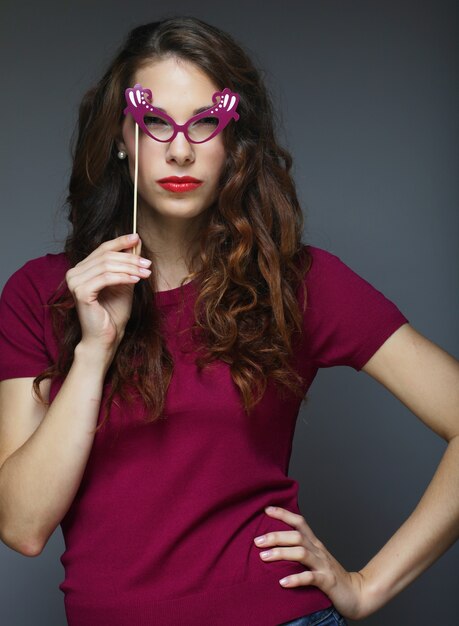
(345, 589)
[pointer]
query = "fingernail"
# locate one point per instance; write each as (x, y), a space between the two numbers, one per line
(145, 262)
(270, 509)
(265, 554)
(132, 237)
(260, 540)
(284, 581)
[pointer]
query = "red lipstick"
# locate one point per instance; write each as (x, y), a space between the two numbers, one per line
(179, 183)
(179, 179)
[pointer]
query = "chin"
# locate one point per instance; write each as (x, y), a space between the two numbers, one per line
(182, 209)
(178, 205)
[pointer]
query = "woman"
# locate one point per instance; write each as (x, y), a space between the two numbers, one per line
(169, 366)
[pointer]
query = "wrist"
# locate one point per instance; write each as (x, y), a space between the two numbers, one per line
(93, 357)
(371, 596)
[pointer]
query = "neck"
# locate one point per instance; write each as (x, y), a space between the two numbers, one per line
(170, 242)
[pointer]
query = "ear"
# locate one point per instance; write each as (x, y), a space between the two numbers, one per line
(119, 139)
(120, 145)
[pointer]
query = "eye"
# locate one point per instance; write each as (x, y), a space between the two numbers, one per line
(212, 121)
(154, 121)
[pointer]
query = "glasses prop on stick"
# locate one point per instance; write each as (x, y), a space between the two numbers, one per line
(160, 126)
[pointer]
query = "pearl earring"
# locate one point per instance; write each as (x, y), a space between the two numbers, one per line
(122, 154)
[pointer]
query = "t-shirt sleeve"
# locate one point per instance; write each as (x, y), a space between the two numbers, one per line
(23, 350)
(347, 319)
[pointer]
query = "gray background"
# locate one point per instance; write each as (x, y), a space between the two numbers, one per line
(367, 95)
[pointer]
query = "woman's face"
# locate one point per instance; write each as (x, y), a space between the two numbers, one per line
(179, 87)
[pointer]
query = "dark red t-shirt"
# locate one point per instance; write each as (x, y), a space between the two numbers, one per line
(161, 529)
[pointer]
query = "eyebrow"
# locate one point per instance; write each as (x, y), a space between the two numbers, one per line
(195, 112)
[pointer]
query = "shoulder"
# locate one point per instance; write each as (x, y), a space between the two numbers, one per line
(26, 336)
(323, 261)
(45, 268)
(41, 276)
(328, 277)
(347, 318)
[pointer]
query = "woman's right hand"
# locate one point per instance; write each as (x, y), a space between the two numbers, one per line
(102, 286)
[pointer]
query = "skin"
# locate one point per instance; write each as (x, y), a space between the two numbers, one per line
(425, 378)
(169, 221)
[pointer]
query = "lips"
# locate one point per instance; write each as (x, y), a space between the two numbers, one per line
(179, 179)
(179, 183)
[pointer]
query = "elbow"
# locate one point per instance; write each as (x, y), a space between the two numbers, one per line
(24, 542)
(27, 547)
(31, 549)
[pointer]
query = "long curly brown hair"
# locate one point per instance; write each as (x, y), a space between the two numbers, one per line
(251, 258)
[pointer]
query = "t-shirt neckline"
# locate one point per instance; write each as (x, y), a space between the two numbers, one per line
(172, 296)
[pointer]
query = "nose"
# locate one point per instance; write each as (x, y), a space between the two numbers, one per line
(180, 150)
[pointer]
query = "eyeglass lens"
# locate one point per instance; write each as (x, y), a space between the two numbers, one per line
(198, 131)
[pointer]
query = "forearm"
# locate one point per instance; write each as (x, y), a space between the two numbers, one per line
(430, 530)
(39, 481)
